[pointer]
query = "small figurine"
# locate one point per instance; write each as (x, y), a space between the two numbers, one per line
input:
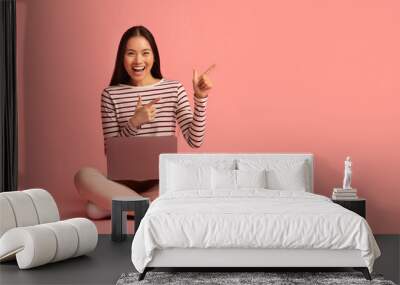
(347, 173)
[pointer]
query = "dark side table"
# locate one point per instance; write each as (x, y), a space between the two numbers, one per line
(358, 205)
(120, 206)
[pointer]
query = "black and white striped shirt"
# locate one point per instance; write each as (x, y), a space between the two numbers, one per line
(118, 104)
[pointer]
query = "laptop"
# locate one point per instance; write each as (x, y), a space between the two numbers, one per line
(136, 158)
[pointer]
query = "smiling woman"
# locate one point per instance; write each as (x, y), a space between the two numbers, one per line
(138, 61)
(140, 102)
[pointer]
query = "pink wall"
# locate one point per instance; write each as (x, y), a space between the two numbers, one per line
(291, 76)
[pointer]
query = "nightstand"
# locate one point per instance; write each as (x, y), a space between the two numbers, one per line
(120, 205)
(358, 205)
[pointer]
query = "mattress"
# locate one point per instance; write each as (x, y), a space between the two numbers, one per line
(250, 219)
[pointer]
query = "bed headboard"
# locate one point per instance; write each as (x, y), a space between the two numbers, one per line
(210, 157)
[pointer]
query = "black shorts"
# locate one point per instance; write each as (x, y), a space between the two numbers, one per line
(138, 186)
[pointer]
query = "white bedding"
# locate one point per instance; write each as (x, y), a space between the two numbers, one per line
(250, 218)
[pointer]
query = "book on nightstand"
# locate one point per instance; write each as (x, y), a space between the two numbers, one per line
(344, 194)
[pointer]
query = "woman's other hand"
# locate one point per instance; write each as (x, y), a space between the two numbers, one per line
(143, 113)
(202, 84)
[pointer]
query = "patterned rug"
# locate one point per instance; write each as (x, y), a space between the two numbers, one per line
(243, 278)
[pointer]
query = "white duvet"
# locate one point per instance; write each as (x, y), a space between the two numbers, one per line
(251, 218)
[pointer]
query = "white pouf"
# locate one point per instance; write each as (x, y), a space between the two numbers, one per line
(31, 232)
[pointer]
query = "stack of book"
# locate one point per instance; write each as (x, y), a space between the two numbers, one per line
(344, 194)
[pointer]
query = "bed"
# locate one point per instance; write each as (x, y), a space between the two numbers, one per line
(247, 210)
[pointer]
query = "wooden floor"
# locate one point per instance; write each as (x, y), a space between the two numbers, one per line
(110, 259)
(102, 266)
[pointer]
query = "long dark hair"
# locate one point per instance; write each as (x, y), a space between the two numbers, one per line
(120, 76)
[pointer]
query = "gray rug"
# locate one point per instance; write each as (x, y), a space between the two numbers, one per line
(269, 278)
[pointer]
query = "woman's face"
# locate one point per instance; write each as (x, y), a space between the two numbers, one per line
(138, 60)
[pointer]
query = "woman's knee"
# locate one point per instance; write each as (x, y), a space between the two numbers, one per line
(84, 176)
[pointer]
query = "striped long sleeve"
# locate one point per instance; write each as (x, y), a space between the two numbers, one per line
(192, 125)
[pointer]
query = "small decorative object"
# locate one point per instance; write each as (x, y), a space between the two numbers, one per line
(347, 174)
(347, 192)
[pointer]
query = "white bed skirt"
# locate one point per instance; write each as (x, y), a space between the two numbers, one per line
(192, 257)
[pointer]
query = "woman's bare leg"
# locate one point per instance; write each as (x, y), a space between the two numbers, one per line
(95, 212)
(93, 186)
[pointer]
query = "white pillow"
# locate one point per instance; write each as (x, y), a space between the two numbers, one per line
(229, 179)
(183, 177)
(285, 174)
(186, 173)
(223, 179)
(251, 178)
(287, 179)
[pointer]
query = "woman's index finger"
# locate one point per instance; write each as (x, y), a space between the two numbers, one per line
(209, 69)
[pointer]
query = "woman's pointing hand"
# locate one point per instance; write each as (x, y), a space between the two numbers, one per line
(143, 113)
(202, 84)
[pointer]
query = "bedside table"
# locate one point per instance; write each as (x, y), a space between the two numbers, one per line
(120, 205)
(358, 205)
